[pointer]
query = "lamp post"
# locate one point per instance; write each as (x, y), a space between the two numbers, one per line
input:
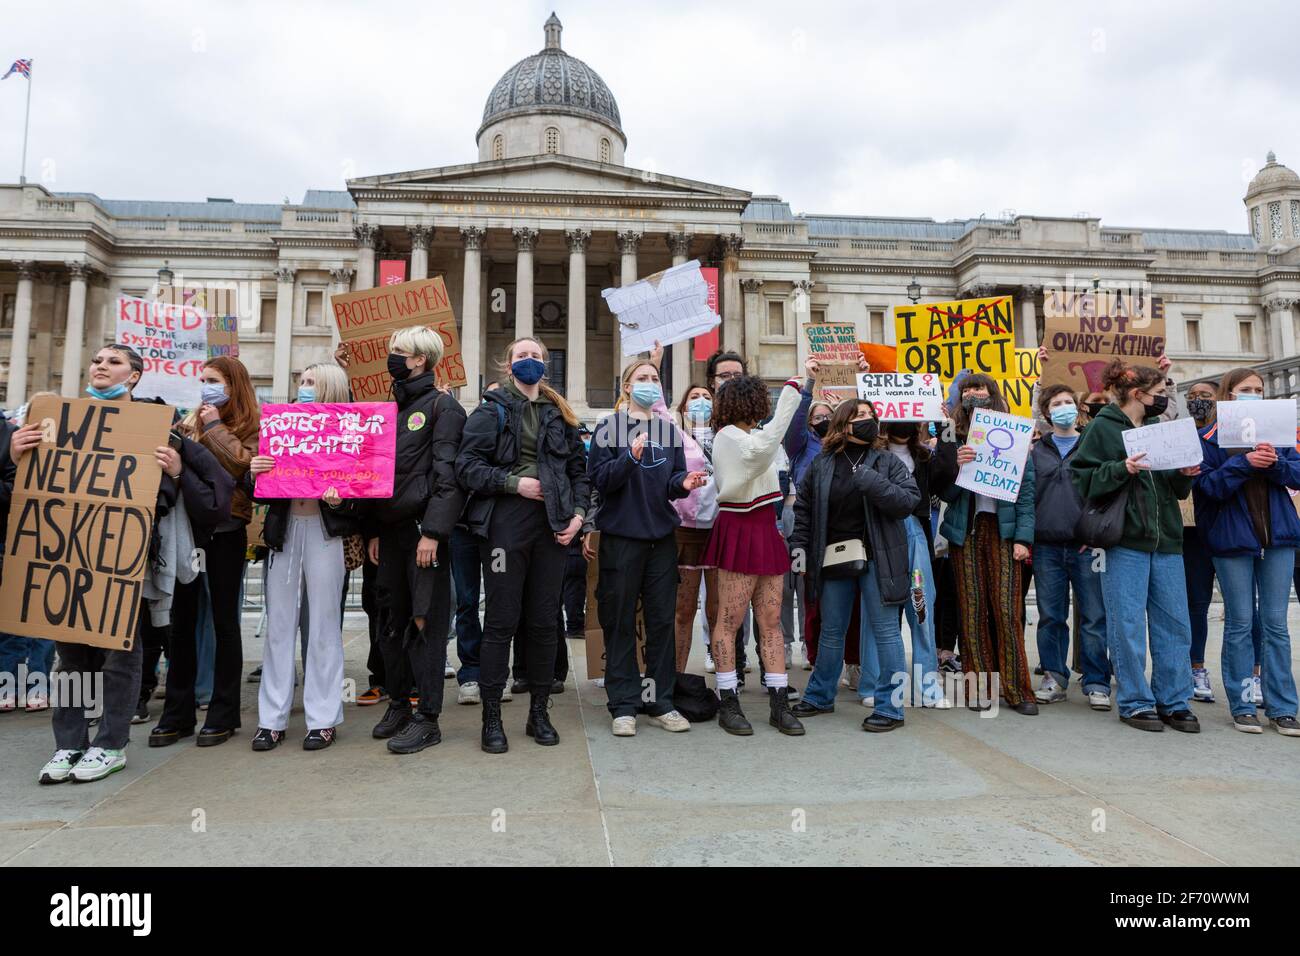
(914, 290)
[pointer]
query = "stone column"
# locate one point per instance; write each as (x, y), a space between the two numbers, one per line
(579, 240)
(753, 322)
(679, 244)
(1027, 320)
(74, 338)
(803, 289)
(471, 326)
(283, 368)
(421, 236)
(1281, 324)
(628, 244)
(366, 235)
(342, 279)
(733, 319)
(525, 240)
(17, 392)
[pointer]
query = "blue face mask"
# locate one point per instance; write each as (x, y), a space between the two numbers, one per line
(1248, 397)
(306, 393)
(107, 394)
(646, 394)
(933, 432)
(1065, 415)
(214, 394)
(701, 408)
(528, 371)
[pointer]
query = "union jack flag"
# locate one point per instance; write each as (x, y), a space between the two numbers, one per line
(23, 67)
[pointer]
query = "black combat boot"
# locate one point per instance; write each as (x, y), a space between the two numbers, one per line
(730, 717)
(781, 718)
(494, 734)
(539, 725)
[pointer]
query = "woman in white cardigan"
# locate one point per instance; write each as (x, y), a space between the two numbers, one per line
(746, 546)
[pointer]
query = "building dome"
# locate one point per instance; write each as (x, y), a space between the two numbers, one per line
(552, 82)
(1272, 176)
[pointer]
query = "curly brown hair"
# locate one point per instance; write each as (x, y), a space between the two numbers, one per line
(741, 401)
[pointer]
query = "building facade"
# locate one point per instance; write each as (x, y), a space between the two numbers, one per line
(527, 236)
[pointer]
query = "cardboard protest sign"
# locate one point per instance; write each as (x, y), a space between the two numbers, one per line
(172, 340)
(943, 338)
(1001, 443)
(1086, 330)
(595, 634)
(321, 445)
(223, 336)
(80, 521)
(257, 525)
(1246, 424)
(368, 317)
(902, 396)
(835, 347)
(1167, 445)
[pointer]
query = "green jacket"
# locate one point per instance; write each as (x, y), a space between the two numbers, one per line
(1015, 518)
(1152, 520)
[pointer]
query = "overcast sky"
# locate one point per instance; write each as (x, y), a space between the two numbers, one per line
(1151, 114)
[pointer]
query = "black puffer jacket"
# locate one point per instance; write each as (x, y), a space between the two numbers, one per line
(491, 448)
(205, 485)
(429, 427)
(890, 495)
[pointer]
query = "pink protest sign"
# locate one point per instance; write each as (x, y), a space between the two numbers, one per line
(318, 446)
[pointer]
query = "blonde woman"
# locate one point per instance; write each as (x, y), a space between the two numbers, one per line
(525, 467)
(305, 537)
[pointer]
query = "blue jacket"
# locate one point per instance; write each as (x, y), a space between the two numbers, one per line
(801, 445)
(1218, 495)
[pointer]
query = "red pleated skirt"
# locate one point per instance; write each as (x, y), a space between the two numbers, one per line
(747, 542)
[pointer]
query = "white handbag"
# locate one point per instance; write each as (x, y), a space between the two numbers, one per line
(844, 559)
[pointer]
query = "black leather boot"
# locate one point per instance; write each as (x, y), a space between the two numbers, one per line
(781, 718)
(494, 734)
(539, 724)
(730, 717)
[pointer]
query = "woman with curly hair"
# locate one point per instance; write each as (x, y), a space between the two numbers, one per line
(745, 545)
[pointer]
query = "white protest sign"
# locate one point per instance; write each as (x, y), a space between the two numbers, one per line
(1001, 444)
(1246, 424)
(667, 307)
(172, 340)
(903, 396)
(1168, 445)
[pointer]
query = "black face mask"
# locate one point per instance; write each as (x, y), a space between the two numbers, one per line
(970, 402)
(1159, 403)
(905, 431)
(1094, 408)
(397, 367)
(866, 430)
(820, 428)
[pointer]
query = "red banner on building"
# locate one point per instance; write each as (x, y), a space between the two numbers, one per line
(707, 344)
(392, 271)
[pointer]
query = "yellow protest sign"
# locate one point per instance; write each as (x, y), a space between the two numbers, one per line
(943, 338)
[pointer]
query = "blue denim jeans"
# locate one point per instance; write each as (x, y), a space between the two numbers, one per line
(1057, 569)
(466, 582)
(924, 669)
(880, 625)
(1146, 601)
(36, 653)
(1198, 569)
(1240, 578)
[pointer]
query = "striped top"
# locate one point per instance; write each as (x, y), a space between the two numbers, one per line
(744, 463)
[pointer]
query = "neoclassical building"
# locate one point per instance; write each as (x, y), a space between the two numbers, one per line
(548, 215)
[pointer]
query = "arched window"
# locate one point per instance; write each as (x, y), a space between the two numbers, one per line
(498, 147)
(552, 141)
(604, 150)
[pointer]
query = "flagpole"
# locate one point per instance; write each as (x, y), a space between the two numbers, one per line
(22, 178)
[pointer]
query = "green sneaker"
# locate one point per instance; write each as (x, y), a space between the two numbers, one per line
(60, 765)
(97, 764)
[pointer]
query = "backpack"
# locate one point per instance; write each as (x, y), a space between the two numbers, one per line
(694, 700)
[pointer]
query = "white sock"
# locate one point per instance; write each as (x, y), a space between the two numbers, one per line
(777, 680)
(727, 680)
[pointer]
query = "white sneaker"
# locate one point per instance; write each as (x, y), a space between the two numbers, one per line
(1099, 700)
(671, 721)
(868, 702)
(505, 693)
(852, 675)
(708, 663)
(1049, 691)
(807, 664)
(1201, 689)
(8, 702)
(97, 764)
(468, 693)
(448, 671)
(941, 703)
(598, 681)
(60, 765)
(626, 726)
(1257, 689)
(788, 657)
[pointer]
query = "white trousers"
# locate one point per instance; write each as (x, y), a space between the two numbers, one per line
(312, 561)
